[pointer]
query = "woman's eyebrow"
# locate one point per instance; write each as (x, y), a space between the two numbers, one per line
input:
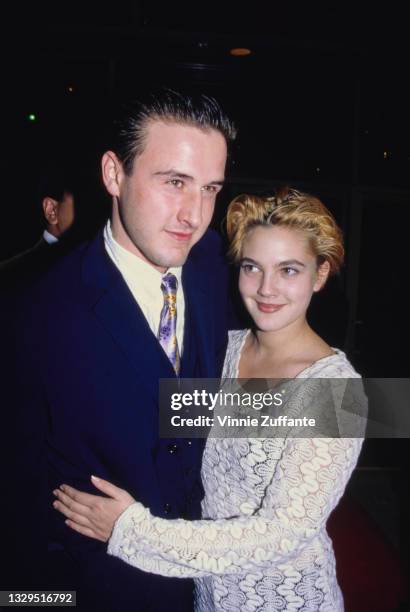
(286, 262)
(292, 262)
(248, 259)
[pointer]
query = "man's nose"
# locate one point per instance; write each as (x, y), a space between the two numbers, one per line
(269, 285)
(190, 212)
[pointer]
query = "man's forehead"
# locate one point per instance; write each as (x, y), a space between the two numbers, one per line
(183, 148)
(173, 127)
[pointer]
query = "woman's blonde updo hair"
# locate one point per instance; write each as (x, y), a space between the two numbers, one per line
(288, 208)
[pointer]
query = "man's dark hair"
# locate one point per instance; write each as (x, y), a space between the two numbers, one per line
(55, 181)
(197, 110)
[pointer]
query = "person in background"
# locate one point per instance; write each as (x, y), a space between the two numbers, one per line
(56, 196)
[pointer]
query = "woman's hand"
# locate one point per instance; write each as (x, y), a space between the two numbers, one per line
(92, 515)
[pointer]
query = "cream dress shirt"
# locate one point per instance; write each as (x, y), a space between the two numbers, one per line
(144, 282)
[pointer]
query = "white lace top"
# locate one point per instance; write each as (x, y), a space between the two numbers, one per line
(262, 544)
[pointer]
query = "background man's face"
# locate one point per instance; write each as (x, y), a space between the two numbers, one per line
(66, 212)
(167, 203)
(59, 215)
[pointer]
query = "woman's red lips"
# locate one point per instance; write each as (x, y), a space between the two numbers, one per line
(269, 308)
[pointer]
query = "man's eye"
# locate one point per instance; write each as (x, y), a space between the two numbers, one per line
(176, 183)
(210, 189)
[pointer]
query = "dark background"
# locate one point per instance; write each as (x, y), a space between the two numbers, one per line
(321, 103)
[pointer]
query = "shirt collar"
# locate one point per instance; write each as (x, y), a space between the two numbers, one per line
(49, 238)
(132, 266)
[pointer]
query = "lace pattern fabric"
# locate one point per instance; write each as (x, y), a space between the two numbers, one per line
(262, 543)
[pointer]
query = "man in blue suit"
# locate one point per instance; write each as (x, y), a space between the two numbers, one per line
(88, 370)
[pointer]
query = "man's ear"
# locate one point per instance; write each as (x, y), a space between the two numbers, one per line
(112, 173)
(322, 276)
(50, 210)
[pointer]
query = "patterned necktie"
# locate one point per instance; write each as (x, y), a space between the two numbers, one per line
(167, 333)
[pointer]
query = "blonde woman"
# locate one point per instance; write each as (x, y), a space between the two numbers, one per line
(262, 543)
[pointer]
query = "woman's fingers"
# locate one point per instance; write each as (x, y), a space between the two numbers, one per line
(92, 515)
(86, 499)
(93, 526)
(87, 531)
(70, 514)
(70, 503)
(108, 488)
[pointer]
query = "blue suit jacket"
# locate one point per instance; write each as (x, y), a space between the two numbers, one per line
(86, 402)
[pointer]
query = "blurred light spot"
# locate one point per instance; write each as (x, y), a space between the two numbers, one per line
(240, 51)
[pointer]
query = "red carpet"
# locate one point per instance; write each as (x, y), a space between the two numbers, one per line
(368, 567)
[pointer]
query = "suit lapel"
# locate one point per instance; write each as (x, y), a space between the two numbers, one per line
(114, 305)
(112, 302)
(122, 317)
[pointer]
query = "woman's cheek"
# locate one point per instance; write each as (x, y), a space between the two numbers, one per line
(244, 284)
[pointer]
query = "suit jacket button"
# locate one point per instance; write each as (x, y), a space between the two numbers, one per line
(167, 508)
(172, 448)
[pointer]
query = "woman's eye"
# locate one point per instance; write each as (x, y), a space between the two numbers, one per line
(290, 271)
(249, 268)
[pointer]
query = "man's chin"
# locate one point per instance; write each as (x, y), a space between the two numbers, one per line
(172, 260)
(177, 263)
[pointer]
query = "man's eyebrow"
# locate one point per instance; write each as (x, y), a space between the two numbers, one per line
(174, 173)
(180, 175)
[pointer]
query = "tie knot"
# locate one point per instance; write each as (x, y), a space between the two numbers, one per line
(169, 284)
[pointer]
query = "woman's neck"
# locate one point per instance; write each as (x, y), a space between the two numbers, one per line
(284, 342)
(282, 353)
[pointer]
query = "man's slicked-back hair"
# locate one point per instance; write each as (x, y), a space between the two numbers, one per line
(196, 110)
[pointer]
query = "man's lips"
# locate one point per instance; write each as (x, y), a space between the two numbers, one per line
(269, 308)
(180, 236)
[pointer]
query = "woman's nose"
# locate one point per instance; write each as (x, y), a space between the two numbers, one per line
(268, 286)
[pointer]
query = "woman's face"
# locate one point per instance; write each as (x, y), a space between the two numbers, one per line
(278, 275)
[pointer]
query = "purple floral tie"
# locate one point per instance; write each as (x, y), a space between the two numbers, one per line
(167, 333)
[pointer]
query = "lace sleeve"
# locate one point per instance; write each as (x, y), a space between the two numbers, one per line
(304, 482)
(308, 481)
